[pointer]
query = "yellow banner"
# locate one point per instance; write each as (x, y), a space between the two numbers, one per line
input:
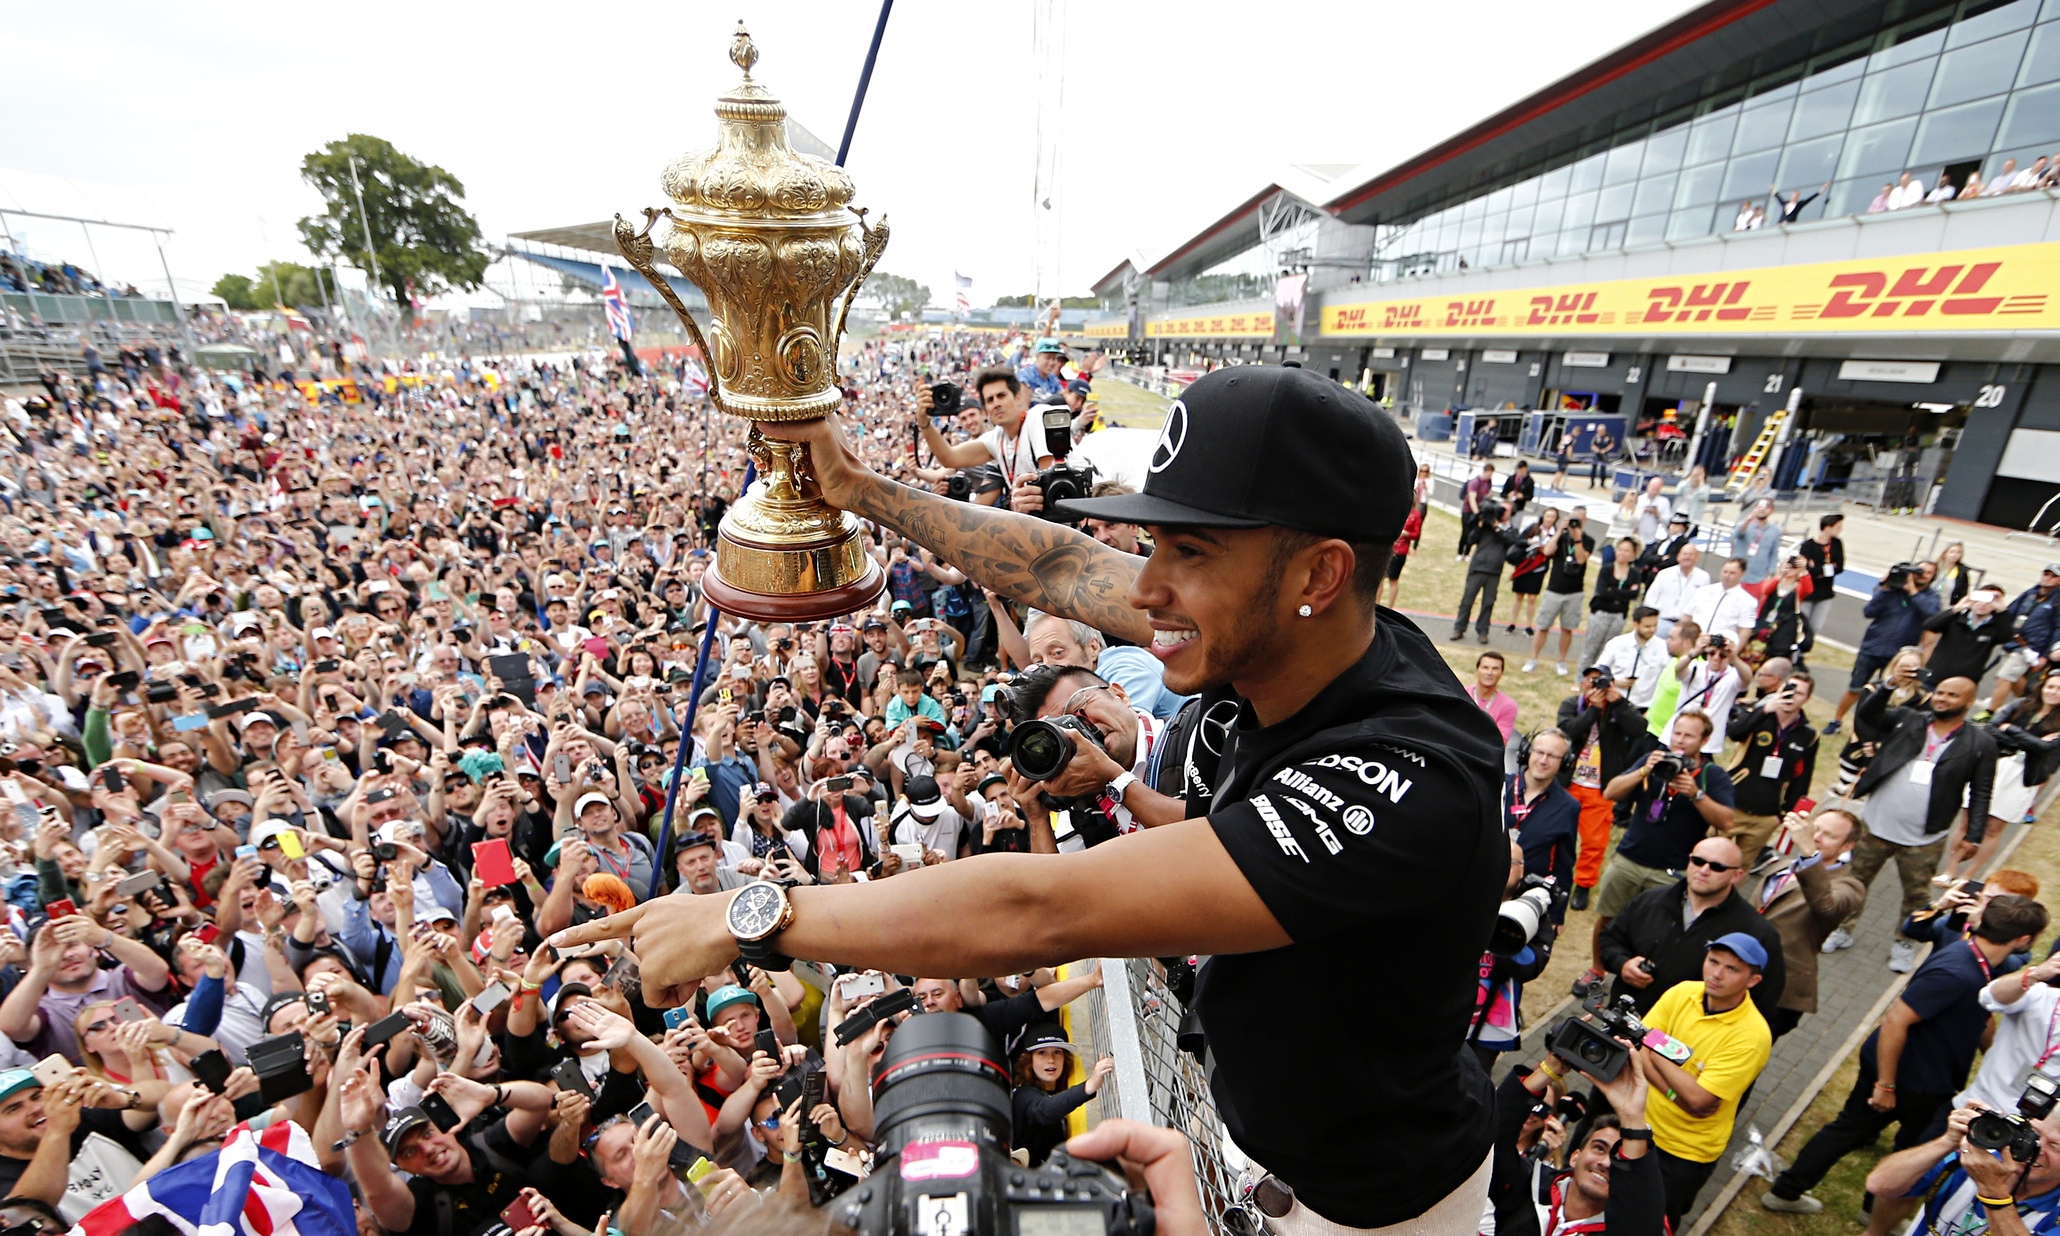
(1117, 328)
(1255, 325)
(1970, 290)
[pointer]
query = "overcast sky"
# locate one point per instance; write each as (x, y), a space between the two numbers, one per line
(195, 117)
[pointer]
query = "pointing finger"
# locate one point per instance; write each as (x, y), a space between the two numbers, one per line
(619, 926)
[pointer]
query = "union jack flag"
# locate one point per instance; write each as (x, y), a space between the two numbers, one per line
(620, 323)
(257, 1183)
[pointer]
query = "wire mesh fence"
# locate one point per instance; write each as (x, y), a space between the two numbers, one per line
(1135, 1017)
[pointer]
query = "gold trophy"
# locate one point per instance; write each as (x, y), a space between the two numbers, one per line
(767, 235)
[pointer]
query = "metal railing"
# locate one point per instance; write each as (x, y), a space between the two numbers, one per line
(1135, 1018)
(52, 308)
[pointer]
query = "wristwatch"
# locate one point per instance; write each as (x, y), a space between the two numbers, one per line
(1121, 785)
(757, 915)
(1634, 1135)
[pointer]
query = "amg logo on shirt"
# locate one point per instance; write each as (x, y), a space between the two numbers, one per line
(1278, 827)
(1303, 783)
(1329, 838)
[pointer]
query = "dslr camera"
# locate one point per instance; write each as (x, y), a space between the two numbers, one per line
(941, 1103)
(961, 485)
(946, 399)
(1520, 919)
(1599, 1040)
(2013, 1132)
(1061, 482)
(1041, 749)
(1669, 767)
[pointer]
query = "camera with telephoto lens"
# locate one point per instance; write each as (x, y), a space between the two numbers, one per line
(1041, 749)
(1900, 574)
(1518, 921)
(1663, 772)
(1061, 482)
(2013, 1132)
(1599, 1040)
(941, 1104)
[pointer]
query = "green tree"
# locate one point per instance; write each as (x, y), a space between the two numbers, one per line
(897, 294)
(238, 292)
(421, 234)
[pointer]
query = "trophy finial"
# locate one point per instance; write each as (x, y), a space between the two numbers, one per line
(743, 52)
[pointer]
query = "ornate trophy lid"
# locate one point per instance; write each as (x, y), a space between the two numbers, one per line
(753, 173)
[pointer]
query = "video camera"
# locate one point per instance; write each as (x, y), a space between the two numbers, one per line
(1061, 482)
(2004, 1131)
(1518, 921)
(1599, 1040)
(1899, 575)
(941, 1103)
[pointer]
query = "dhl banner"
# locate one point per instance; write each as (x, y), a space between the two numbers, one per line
(1252, 325)
(2006, 289)
(1115, 328)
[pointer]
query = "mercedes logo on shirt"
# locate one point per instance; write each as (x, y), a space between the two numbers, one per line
(1172, 437)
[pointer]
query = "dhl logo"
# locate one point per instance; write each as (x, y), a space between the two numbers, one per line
(1917, 291)
(1698, 303)
(1469, 313)
(1350, 319)
(1399, 317)
(1573, 308)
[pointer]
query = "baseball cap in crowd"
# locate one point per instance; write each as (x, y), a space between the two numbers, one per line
(931, 724)
(14, 1081)
(989, 692)
(763, 792)
(1080, 386)
(402, 1123)
(991, 779)
(900, 607)
(925, 800)
(561, 1004)
(270, 830)
(2051, 568)
(726, 995)
(1046, 1035)
(1255, 445)
(321, 633)
(872, 624)
(1747, 949)
(588, 799)
(1049, 344)
(253, 718)
(435, 912)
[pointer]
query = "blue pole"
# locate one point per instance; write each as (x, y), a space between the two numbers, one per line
(865, 79)
(686, 725)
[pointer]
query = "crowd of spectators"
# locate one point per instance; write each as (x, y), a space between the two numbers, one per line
(317, 717)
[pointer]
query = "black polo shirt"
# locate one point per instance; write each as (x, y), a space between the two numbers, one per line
(1370, 825)
(477, 1206)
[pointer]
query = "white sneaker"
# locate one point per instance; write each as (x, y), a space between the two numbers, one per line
(1530, 666)
(1837, 940)
(1560, 669)
(1804, 1205)
(1902, 956)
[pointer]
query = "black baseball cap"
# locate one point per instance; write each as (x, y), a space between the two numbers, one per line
(1264, 445)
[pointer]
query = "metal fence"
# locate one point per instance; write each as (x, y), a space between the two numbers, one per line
(51, 308)
(1135, 1018)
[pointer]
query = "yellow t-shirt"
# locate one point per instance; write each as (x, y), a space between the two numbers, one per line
(1730, 1049)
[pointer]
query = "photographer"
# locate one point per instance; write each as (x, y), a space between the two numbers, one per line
(1103, 787)
(1498, 1017)
(1777, 758)
(1607, 732)
(1804, 902)
(1896, 614)
(1261, 595)
(1963, 1188)
(1015, 442)
(1919, 1054)
(1611, 1175)
(1493, 540)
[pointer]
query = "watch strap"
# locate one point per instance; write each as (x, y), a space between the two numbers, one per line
(1121, 785)
(1635, 1135)
(762, 954)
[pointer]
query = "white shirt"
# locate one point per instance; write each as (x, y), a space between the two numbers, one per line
(1653, 513)
(2029, 1029)
(1017, 456)
(1671, 590)
(1698, 693)
(1640, 664)
(1722, 611)
(1905, 195)
(942, 833)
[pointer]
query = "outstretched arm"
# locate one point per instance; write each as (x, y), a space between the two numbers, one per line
(1042, 564)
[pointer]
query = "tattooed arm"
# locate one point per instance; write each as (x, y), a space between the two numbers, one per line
(1042, 564)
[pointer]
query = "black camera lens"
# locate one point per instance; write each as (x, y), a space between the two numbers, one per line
(1041, 750)
(1594, 1051)
(941, 1075)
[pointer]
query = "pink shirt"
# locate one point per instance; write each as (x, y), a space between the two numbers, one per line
(1500, 709)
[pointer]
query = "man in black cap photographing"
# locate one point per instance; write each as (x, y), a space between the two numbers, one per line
(1346, 792)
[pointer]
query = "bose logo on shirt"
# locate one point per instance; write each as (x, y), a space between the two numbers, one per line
(1372, 772)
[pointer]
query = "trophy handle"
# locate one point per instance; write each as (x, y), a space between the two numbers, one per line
(875, 245)
(637, 251)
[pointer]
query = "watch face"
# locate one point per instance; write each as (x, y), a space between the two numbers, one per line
(755, 911)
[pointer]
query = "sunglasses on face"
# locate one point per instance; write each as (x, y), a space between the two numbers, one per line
(95, 1027)
(1697, 860)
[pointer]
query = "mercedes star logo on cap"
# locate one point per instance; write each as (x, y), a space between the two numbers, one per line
(1172, 436)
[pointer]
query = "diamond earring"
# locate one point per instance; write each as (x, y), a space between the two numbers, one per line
(1305, 611)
